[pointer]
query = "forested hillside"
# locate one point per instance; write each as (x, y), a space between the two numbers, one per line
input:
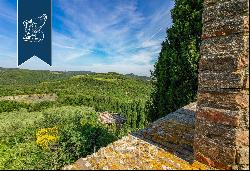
(50, 119)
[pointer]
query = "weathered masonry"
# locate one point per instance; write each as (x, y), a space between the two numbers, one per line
(217, 128)
(222, 118)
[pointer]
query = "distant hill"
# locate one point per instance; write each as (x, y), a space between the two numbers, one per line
(131, 75)
(80, 72)
(15, 81)
(140, 77)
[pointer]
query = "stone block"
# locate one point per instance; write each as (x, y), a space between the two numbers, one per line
(219, 116)
(237, 24)
(244, 167)
(225, 154)
(246, 82)
(226, 53)
(242, 138)
(244, 120)
(224, 100)
(203, 159)
(221, 80)
(243, 155)
(227, 63)
(227, 9)
(221, 134)
(213, 2)
(246, 23)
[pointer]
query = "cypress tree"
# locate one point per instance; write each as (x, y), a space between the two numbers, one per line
(175, 75)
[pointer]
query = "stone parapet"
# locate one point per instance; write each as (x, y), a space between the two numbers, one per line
(177, 127)
(222, 119)
(166, 144)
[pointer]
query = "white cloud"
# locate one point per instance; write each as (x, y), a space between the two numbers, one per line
(119, 32)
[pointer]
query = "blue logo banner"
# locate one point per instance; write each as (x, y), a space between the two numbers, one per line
(34, 30)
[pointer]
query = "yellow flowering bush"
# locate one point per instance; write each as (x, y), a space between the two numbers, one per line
(47, 136)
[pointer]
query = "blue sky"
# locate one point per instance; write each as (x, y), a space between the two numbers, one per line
(121, 36)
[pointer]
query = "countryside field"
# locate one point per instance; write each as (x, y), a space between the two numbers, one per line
(50, 119)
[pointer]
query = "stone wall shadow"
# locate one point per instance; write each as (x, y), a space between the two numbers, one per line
(173, 133)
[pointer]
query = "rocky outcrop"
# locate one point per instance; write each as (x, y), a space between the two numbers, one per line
(111, 118)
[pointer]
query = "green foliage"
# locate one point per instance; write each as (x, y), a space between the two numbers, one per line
(110, 85)
(78, 130)
(134, 111)
(23, 126)
(175, 77)
(8, 106)
(41, 106)
(104, 92)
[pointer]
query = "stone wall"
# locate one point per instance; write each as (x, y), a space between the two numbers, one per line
(222, 118)
(219, 131)
(176, 128)
(165, 144)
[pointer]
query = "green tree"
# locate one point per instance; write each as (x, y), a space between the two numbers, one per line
(175, 75)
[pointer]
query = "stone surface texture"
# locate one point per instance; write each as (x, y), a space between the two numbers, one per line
(222, 118)
(165, 144)
(111, 118)
(216, 131)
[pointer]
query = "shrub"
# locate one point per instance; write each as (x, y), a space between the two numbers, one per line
(71, 133)
(8, 106)
(46, 137)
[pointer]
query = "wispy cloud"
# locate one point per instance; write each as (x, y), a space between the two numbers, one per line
(7, 11)
(103, 35)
